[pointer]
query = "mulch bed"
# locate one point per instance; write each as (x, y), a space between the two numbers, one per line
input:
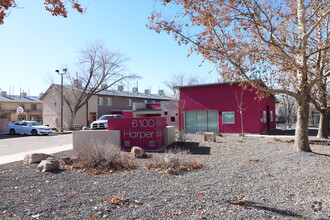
(250, 178)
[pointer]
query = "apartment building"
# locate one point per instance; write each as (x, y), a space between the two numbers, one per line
(31, 104)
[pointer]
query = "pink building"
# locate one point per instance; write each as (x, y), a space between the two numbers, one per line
(215, 107)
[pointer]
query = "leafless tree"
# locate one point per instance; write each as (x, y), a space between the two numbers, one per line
(182, 79)
(287, 108)
(99, 69)
(241, 109)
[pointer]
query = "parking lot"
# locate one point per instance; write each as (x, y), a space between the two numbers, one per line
(21, 144)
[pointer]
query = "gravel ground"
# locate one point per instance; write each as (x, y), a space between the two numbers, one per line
(251, 178)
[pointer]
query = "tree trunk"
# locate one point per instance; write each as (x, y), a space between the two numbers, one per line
(323, 125)
(73, 115)
(301, 136)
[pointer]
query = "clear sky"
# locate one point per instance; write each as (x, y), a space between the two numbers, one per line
(33, 44)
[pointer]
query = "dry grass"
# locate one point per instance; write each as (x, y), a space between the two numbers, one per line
(96, 158)
(181, 136)
(174, 162)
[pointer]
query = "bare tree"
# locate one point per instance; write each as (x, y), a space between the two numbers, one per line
(181, 79)
(241, 109)
(99, 69)
(287, 108)
(255, 41)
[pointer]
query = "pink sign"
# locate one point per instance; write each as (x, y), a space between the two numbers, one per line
(147, 133)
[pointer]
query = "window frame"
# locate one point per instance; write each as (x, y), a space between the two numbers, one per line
(108, 101)
(21, 105)
(100, 101)
(32, 107)
(264, 113)
(271, 116)
(129, 102)
(231, 123)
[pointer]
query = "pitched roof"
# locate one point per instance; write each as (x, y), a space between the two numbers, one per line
(112, 92)
(20, 99)
(132, 95)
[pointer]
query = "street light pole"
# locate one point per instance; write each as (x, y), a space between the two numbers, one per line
(61, 74)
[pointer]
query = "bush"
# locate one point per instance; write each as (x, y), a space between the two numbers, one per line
(98, 157)
(181, 136)
(173, 162)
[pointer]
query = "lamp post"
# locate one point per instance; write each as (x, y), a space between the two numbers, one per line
(61, 74)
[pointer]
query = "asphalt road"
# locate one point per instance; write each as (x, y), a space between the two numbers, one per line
(15, 144)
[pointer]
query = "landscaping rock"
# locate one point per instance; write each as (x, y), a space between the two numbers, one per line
(35, 158)
(209, 137)
(50, 164)
(138, 152)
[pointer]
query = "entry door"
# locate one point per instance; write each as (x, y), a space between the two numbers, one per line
(201, 121)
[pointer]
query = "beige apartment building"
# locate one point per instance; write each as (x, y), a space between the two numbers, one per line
(31, 104)
(106, 102)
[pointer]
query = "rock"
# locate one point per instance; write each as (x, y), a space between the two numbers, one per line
(137, 152)
(50, 164)
(209, 137)
(35, 158)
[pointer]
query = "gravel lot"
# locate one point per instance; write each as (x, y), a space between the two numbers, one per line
(251, 178)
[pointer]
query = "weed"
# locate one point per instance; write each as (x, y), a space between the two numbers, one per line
(96, 158)
(181, 136)
(173, 162)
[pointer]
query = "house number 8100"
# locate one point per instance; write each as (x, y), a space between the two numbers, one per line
(145, 123)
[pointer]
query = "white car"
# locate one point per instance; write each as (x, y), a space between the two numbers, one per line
(102, 122)
(28, 127)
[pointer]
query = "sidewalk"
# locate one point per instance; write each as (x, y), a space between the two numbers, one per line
(20, 156)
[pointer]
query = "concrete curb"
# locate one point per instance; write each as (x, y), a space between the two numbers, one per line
(20, 156)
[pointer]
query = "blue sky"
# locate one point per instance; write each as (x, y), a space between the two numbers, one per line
(34, 43)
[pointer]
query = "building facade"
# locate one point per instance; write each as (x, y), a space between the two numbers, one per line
(31, 104)
(217, 108)
(106, 102)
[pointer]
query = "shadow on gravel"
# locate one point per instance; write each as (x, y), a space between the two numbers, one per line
(248, 204)
(290, 132)
(327, 155)
(58, 171)
(191, 147)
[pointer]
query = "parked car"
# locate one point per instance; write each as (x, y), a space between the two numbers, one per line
(28, 127)
(102, 122)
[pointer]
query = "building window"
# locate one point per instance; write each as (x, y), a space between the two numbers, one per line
(55, 103)
(0, 106)
(228, 117)
(165, 113)
(201, 121)
(271, 116)
(99, 100)
(108, 101)
(33, 107)
(129, 102)
(21, 105)
(34, 118)
(145, 101)
(172, 118)
(153, 101)
(265, 116)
